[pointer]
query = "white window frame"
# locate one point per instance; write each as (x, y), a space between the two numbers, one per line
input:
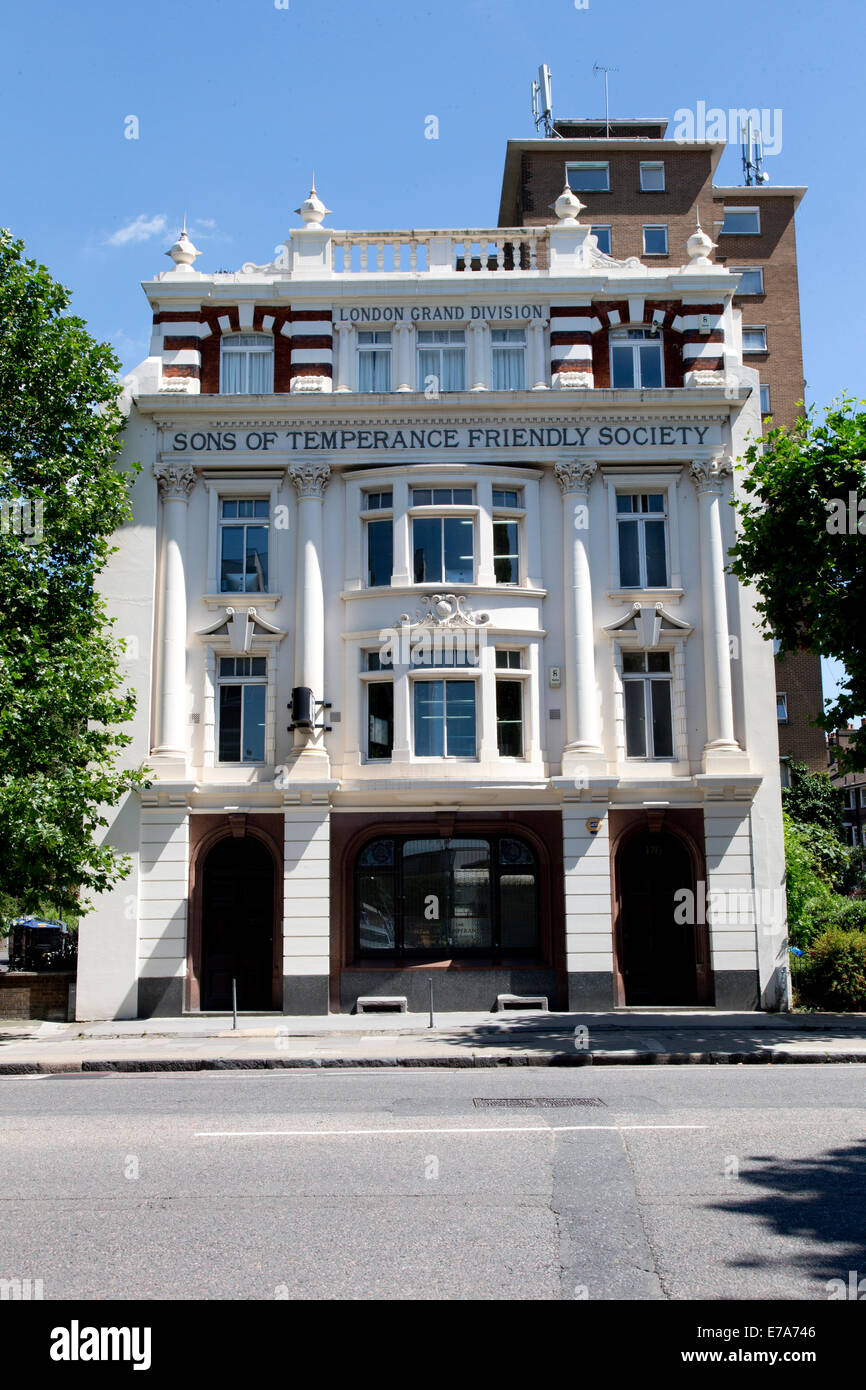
(666, 481)
(655, 227)
(781, 705)
(445, 673)
(439, 348)
(754, 328)
(652, 164)
(361, 348)
(227, 523)
(368, 515)
(501, 512)
(385, 676)
(522, 675)
(215, 647)
(619, 335)
(750, 270)
(443, 509)
(645, 677)
(764, 396)
(726, 210)
(263, 345)
(219, 487)
(508, 346)
(680, 760)
(588, 164)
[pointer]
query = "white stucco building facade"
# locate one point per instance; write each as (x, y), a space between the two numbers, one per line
(463, 497)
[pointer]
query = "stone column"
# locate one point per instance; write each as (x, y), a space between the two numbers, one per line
(477, 363)
(344, 342)
(539, 368)
(176, 481)
(404, 367)
(707, 474)
(581, 693)
(310, 480)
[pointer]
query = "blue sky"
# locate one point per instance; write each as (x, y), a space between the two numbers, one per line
(237, 100)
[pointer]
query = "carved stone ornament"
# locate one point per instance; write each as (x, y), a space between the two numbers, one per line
(575, 476)
(571, 381)
(309, 384)
(310, 479)
(176, 481)
(444, 610)
(708, 472)
(704, 378)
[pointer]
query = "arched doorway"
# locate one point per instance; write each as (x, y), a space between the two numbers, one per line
(663, 959)
(237, 925)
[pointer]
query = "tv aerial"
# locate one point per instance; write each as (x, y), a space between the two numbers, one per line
(599, 67)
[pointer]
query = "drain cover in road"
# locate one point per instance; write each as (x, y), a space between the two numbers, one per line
(535, 1102)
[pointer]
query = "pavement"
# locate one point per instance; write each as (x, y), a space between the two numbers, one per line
(273, 1041)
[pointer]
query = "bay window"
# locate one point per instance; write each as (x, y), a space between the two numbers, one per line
(444, 718)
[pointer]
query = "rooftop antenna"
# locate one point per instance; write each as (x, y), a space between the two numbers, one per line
(599, 67)
(542, 101)
(752, 146)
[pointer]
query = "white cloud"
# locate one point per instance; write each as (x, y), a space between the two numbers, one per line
(142, 229)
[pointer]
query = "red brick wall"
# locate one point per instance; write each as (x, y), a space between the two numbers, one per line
(25, 994)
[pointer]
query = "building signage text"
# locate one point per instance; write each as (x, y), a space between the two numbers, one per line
(437, 313)
(462, 437)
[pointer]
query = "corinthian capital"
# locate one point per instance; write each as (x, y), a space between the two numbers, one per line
(310, 479)
(576, 475)
(708, 470)
(176, 481)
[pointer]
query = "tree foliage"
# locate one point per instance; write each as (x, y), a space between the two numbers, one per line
(812, 799)
(61, 691)
(802, 545)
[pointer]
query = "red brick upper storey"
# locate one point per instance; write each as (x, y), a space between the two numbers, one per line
(536, 170)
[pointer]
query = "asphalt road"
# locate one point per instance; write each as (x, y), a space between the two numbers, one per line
(685, 1183)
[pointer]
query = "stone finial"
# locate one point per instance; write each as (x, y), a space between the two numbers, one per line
(183, 253)
(312, 209)
(699, 246)
(568, 206)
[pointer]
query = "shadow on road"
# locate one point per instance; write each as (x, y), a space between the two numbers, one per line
(820, 1200)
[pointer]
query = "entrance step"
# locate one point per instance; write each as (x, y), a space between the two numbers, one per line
(381, 1004)
(521, 1001)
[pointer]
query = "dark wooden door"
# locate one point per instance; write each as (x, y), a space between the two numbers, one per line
(660, 956)
(238, 925)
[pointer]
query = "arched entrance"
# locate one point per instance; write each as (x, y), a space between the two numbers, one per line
(237, 925)
(663, 951)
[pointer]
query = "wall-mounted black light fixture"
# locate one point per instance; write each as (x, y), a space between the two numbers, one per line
(304, 707)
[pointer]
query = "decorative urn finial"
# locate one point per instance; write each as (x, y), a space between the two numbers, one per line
(183, 253)
(568, 206)
(312, 209)
(699, 246)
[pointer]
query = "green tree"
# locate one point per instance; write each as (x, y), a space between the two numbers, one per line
(802, 544)
(812, 799)
(61, 688)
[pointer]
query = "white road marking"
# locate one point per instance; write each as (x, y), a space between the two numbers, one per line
(387, 1133)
